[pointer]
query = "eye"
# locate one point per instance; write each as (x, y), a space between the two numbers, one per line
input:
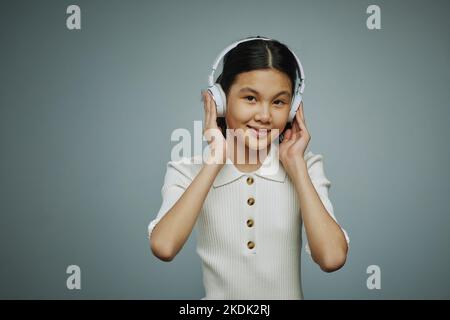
(251, 97)
(280, 102)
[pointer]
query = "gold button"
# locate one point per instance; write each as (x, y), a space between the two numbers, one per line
(250, 244)
(250, 223)
(250, 180)
(250, 201)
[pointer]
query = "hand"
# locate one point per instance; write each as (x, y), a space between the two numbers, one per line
(295, 141)
(212, 132)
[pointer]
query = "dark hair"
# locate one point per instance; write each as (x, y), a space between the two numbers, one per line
(255, 55)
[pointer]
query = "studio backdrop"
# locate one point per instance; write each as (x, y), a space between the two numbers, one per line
(91, 92)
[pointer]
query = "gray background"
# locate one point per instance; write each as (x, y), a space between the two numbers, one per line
(86, 118)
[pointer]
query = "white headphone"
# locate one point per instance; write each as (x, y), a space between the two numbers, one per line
(219, 96)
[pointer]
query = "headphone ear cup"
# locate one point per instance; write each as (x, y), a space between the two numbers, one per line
(219, 98)
(294, 106)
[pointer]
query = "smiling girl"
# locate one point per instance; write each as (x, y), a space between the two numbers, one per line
(250, 214)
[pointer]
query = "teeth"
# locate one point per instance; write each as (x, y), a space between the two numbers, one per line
(259, 129)
(260, 132)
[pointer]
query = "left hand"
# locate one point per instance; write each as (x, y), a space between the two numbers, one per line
(295, 141)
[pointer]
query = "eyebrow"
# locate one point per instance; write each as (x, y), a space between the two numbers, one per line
(257, 93)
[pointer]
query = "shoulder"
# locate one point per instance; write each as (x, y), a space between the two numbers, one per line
(315, 165)
(312, 158)
(186, 167)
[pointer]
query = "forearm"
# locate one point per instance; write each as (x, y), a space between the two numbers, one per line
(172, 231)
(325, 237)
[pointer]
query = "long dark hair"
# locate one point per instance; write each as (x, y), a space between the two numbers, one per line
(255, 55)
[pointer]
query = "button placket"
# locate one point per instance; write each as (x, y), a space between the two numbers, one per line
(249, 219)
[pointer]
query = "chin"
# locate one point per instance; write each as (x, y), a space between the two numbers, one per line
(258, 144)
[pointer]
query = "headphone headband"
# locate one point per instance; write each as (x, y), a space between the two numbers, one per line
(301, 85)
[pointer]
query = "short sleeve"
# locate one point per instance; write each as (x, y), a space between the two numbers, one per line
(176, 181)
(322, 186)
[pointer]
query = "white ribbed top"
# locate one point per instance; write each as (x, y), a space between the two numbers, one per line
(232, 269)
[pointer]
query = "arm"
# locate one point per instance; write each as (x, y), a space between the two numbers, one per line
(171, 233)
(325, 237)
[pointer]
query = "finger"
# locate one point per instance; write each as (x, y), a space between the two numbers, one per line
(205, 102)
(299, 120)
(301, 111)
(295, 125)
(212, 112)
(208, 114)
(288, 134)
(302, 125)
(213, 109)
(294, 136)
(208, 99)
(289, 138)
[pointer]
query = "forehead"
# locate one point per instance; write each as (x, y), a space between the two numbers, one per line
(266, 80)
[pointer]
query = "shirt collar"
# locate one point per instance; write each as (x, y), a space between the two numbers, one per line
(271, 169)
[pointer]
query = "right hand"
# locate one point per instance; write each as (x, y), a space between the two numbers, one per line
(212, 133)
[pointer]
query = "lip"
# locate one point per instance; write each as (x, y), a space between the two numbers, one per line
(258, 132)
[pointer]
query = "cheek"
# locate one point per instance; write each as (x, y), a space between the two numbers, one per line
(280, 119)
(238, 113)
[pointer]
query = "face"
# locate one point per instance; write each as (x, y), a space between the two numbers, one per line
(259, 99)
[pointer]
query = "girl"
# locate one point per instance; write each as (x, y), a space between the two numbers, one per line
(250, 219)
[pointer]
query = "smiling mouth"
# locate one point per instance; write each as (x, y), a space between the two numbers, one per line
(258, 132)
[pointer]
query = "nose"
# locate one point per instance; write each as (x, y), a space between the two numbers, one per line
(263, 114)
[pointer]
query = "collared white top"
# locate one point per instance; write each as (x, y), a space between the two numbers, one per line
(249, 228)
